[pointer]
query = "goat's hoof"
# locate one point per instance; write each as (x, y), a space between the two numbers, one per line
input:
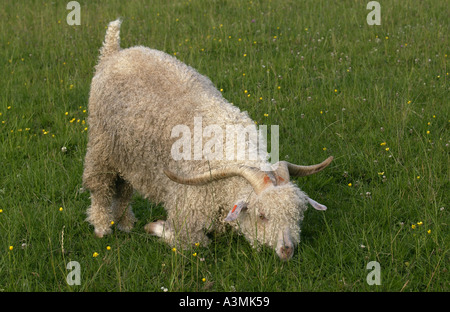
(155, 228)
(102, 232)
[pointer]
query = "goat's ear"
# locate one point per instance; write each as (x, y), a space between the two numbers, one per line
(316, 205)
(234, 212)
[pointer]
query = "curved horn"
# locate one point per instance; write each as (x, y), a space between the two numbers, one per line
(301, 171)
(255, 177)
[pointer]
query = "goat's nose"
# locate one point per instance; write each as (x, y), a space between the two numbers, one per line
(286, 252)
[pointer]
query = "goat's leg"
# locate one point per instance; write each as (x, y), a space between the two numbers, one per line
(99, 214)
(121, 209)
(177, 233)
(100, 180)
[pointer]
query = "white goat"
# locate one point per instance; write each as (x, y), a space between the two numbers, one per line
(138, 96)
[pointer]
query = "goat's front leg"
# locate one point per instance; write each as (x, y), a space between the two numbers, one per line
(161, 229)
(183, 235)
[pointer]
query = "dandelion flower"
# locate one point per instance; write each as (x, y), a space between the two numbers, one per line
(413, 226)
(194, 254)
(174, 249)
(95, 254)
(383, 144)
(324, 148)
(418, 177)
(419, 223)
(108, 247)
(266, 115)
(1, 210)
(61, 209)
(197, 244)
(203, 279)
(350, 184)
(387, 149)
(11, 247)
(428, 131)
(429, 232)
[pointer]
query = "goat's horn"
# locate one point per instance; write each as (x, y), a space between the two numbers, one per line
(254, 176)
(301, 171)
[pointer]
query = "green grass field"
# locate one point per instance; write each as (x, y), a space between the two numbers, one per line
(375, 97)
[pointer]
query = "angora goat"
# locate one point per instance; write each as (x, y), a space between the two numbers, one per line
(138, 97)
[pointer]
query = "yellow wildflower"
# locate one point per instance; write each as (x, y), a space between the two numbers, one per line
(95, 254)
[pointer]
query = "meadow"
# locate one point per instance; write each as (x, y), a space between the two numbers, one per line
(374, 97)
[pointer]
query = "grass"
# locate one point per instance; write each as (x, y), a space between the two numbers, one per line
(336, 86)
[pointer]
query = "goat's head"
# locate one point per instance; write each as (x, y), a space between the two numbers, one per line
(272, 212)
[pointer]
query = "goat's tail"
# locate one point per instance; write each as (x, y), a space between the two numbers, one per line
(111, 45)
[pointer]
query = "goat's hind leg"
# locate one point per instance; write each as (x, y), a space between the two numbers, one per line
(99, 214)
(121, 209)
